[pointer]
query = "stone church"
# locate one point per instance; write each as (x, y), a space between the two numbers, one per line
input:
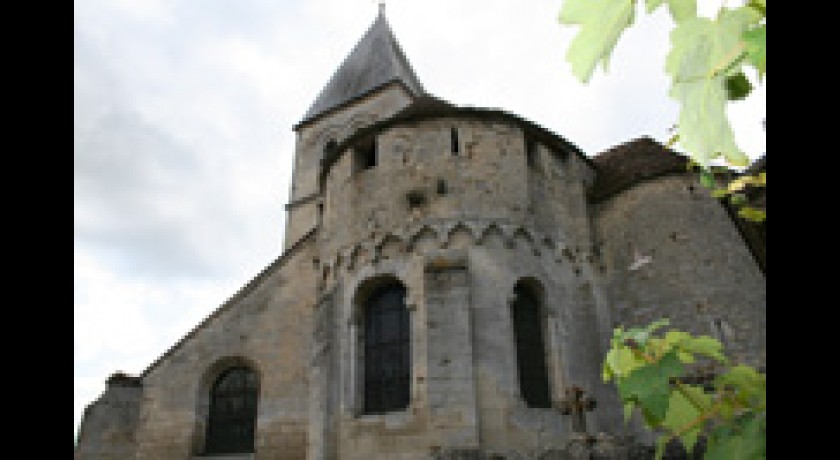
(449, 282)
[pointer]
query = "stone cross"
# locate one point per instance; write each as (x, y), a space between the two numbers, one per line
(577, 405)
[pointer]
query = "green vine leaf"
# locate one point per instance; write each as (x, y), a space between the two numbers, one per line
(738, 199)
(628, 411)
(744, 439)
(679, 9)
(755, 41)
(706, 346)
(707, 179)
(738, 87)
(731, 414)
(661, 442)
(601, 27)
(720, 193)
(759, 5)
(699, 63)
(620, 362)
(682, 411)
(750, 385)
(649, 387)
(752, 214)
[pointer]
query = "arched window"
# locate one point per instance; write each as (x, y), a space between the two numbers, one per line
(530, 348)
(387, 360)
(233, 412)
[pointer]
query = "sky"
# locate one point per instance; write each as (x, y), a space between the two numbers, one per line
(183, 143)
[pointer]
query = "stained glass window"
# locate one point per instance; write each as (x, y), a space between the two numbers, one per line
(233, 412)
(387, 361)
(530, 350)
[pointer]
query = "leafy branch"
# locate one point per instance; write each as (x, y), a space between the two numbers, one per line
(650, 371)
(706, 63)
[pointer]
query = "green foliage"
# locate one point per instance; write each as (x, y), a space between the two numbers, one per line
(685, 407)
(737, 87)
(650, 373)
(744, 438)
(679, 9)
(707, 179)
(755, 41)
(735, 191)
(648, 388)
(706, 64)
(700, 61)
(753, 214)
(600, 29)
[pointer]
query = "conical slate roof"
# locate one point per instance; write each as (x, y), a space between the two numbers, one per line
(376, 60)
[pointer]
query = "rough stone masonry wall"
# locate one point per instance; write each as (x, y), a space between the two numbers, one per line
(269, 328)
(487, 179)
(513, 219)
(701, 275)
(324, 372)
(442, 407)
(399, 434)
(468, 321)
(450, 375)
(557, 184)
(309, 149)
(508, 428)
(109, 424)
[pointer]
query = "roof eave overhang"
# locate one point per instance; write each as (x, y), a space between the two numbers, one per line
(392, 82)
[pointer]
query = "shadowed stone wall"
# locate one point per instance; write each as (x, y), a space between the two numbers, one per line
(109, 423)
(268, 329)
(701, 274)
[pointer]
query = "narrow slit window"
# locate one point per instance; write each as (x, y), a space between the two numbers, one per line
(531, 152)
(329, 148)
(366, 154)
(454, 139)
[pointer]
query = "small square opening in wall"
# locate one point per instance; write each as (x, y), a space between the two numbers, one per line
(415, 198)
(365, 154)
(441, 187)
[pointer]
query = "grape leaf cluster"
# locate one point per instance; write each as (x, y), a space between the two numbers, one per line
(654, 376)
(706, 64)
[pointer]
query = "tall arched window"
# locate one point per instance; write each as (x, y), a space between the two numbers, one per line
(530, 348)
(387, 360)
(233, 412)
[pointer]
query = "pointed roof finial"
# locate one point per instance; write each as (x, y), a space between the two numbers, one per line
(375, 61)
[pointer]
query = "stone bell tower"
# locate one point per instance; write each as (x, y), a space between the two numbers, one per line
(374, 82)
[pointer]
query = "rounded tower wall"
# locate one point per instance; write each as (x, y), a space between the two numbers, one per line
(442, 170)
(460, 277)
